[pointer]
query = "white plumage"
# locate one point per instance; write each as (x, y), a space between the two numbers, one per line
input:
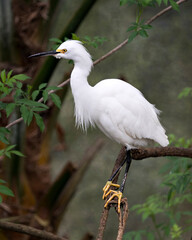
(116, 107)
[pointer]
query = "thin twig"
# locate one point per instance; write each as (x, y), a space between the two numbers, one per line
(103, 222)
(29, 231)
(163, 12)
(104, 56)
(123, 218)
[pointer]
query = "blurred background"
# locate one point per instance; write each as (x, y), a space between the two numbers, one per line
(159, 66)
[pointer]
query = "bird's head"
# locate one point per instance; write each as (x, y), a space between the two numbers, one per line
(70, 49)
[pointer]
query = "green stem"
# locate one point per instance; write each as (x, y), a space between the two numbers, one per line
(156, 228)
(139, 13)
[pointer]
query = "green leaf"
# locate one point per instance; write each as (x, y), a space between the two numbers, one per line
(132, 36)
(10, 147)
(21, 77)
(19, 84)
(8, 154)
(6, 191)
(143, 33)
(75, 37)
(38, 109)
(131, 28)
(42, 85)
(3, 133)
(35, 94)
(9, 74)
(24, 113)
(30, 117)
(39, 121)
(45, 95)
(174, 5)
(185, 92)
(9, 108)
(145, 215)
(31, 103)
(165, 2)
(4, 130)
(3, 76)
(17, 153)
(2, 181)
(53, 88)
(3, 105)
(1, 200)
(17, 94)
(56, 100)
(146, 26)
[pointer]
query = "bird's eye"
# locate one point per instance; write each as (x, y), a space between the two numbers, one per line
(64, 50)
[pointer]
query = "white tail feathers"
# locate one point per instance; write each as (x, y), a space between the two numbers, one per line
(162, 139)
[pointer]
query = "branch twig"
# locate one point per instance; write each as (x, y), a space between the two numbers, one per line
(29, 231)
(103, 222)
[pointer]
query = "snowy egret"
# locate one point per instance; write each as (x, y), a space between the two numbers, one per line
(117, 108)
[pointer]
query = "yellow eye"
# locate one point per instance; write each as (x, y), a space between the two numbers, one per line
(62, 50)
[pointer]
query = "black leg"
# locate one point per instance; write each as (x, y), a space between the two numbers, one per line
(117, 171)
(118, 193)
(128, 163)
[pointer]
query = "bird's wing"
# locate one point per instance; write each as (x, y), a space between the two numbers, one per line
(123, 110)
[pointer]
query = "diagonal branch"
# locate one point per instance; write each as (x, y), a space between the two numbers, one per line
(106, 55)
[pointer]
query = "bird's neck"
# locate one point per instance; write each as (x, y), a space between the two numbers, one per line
(79, 77)
(82, 93)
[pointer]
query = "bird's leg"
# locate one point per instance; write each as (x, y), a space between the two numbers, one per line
(128, 163)
(110, 181)
(119, 193)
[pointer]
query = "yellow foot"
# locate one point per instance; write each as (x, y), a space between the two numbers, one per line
(107, 186)
(117, 194)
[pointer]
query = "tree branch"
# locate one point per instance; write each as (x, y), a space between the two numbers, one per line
(163, 12)
(29, 231)
(105, 56)
(140, 154)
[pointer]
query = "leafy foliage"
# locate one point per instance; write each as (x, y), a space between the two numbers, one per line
(3, 135)
(164, 210)
(185, 92)
(180, 142)
(146, 3)
(139, 28)
(10, 150)
(25, 101)
(4, 190)
(94, 42)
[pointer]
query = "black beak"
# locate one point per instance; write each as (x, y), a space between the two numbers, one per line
(49, 53)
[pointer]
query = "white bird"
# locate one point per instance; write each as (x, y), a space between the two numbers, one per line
(117, 108)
